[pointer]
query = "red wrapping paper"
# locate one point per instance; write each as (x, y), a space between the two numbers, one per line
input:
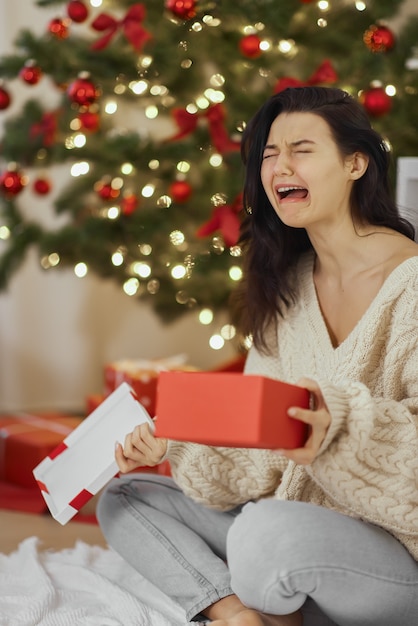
(26, 438)
(142, 376)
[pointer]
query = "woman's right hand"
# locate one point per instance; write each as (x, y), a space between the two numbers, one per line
(140, 448)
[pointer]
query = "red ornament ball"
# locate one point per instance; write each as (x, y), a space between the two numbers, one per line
(89, 121)
(376, 101)
(42, 186)
(129, 204)
(250, 46)
(379, 39)
(59, 28)
(82, 91)
(77, 11)
(12, 182)
(180, 191)
(104, 189)
(5, 99)
(185, 9)
(31, 73)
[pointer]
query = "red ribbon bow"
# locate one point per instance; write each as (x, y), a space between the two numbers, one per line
(324, 74)
(225, 219)
(215, 115)
(130, 24)
(45, 128)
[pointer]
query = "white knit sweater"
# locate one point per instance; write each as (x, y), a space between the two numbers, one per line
(368, 464)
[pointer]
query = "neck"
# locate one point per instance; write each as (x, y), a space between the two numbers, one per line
(344, 252)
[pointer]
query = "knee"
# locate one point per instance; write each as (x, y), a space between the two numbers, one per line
(248, 547)
(262, 525)
(268, 539)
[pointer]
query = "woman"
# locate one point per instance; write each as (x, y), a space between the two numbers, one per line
(329, 534)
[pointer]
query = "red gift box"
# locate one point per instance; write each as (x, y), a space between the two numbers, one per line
(142, 376)
(143, 381)
(229, 409)
(26, 438)
(93, 400)
(17, 498)
(236, 364)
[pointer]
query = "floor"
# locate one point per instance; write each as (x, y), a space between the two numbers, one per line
(16, 526)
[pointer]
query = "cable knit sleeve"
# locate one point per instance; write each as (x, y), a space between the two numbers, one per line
(368, 463)
(224, 477)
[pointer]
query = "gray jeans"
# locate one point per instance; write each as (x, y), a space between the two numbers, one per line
(282, 556)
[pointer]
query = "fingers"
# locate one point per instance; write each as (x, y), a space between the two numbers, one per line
(137, 442)
(140, 448)
(141, 436)
(307, 454)
(124, 464)
(317, 417)
(304, 415)
(316, 399)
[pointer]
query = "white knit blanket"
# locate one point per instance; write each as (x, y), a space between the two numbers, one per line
(82, 586)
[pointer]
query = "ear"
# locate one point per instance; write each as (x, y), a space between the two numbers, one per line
(358, 164)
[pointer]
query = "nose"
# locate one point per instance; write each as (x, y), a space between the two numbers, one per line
(282, 165)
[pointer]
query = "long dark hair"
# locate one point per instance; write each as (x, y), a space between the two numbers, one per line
(271, 248)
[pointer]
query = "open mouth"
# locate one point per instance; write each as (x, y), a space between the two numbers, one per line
(292, 192)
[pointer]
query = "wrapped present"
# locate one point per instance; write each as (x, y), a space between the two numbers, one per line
(229, 409)
(26, 438)
(17, 498)
(84, 461)
(142, 376)
(30, 500)
(92, 402)
(236, 364)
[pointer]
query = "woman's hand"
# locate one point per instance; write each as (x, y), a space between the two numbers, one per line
(318, 418)
(140, 448)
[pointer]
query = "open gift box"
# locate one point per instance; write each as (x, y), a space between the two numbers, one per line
(229, 409)
(85, 460)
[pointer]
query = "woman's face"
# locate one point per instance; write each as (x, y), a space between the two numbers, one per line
(306, 179)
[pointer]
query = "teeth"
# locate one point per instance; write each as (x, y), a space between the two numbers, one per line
(282, 189)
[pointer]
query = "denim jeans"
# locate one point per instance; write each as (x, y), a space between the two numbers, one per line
(282, 556)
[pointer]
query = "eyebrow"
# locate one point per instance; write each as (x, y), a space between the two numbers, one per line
(294, 144)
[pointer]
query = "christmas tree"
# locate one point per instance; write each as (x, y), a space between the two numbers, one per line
(152, 98)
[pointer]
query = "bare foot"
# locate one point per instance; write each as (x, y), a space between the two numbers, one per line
(248, 617)
(231, 612)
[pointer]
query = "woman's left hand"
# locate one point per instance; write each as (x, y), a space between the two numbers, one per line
(318, 418)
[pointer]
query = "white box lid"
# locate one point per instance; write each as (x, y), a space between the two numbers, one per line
(85, 461)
